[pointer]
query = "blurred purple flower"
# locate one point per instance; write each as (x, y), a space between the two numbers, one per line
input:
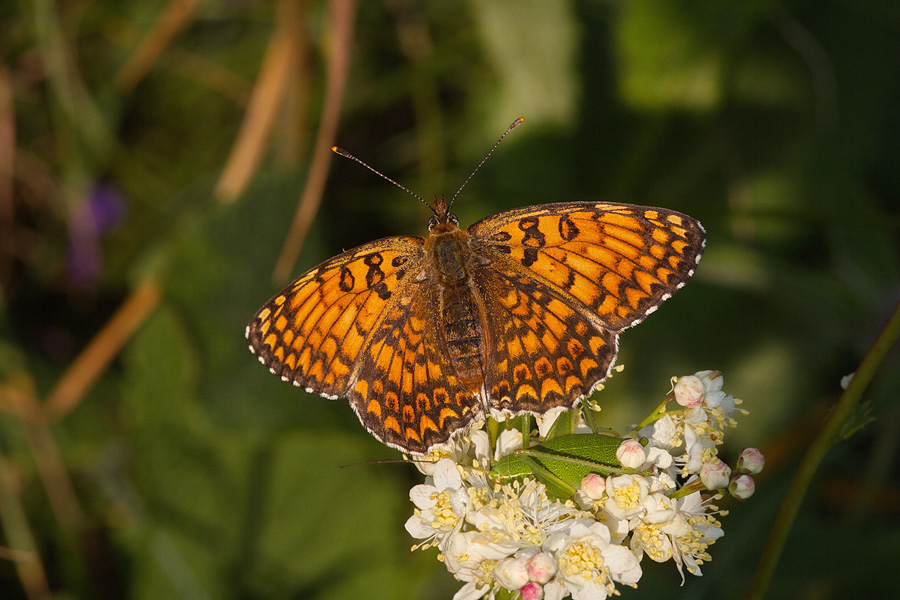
(103, 208)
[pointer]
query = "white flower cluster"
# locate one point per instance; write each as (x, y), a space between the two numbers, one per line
(498, 534)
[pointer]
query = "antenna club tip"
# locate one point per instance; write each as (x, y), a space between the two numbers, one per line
(515, 124)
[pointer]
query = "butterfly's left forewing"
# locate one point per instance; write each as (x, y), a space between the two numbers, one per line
(313, 332)
(363, 325)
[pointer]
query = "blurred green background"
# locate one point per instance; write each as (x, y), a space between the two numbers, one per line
(152, 158)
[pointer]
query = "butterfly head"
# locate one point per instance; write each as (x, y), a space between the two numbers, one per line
(443, 220)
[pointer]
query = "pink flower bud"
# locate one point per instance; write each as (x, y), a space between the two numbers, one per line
(742, 487)
(593, 486)
(531, 591)
(715, 475)
(751, 461)
(689, 391)
(631, 454)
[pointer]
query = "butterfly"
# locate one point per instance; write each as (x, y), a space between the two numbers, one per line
(520, 312)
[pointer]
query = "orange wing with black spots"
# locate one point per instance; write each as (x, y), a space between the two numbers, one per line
(564, 279)
(362, 325)
(616, 263)
(406, 393)
(314, 331)
(544, 353)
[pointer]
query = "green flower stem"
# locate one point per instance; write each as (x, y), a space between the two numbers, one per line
(830, 433)
(525, 428)
(657, 414)
(19, 537)
(687, 490)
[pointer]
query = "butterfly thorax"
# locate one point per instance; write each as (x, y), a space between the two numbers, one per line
(449, 252)
(447, 245)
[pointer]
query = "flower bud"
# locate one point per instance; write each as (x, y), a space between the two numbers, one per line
(541, 568)
(593, 486)
(750, 461)
(630, 454)
(715, 475)
(712, 380)
(511, 573)
(531, 591)
(689, 391)
(742, 487)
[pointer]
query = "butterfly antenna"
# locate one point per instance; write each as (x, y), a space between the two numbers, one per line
(346, 154)
(413, 461)
(515, 124)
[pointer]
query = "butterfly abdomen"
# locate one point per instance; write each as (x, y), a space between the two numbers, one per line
(460, 320)
(463, 334)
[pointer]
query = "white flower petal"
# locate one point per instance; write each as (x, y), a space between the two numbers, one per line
(446, 475)
(470, 591)
(423, 496)
(623, 564)
(512, 572)
(417, 528)
(459, 500)
(555, 591)
(508, 442)
(712, 380)
(661, 433)
(689, 391)
(545, 421)
(482, 443)
(657, 457)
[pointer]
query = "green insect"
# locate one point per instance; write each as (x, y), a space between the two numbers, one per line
(562, 462)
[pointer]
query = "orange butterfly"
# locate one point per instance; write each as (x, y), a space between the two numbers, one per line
(518, 313)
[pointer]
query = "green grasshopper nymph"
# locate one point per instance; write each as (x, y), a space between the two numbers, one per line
(562, 462)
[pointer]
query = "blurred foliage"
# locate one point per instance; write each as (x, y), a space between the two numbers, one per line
(193, 473)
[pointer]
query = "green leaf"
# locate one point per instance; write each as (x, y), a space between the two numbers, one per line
(561, 463)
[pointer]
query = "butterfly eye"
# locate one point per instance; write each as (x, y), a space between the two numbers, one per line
(454, 220)
(432, 223)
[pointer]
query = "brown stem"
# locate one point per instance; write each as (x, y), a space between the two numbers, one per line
(174, 19)
(56, 480)
(102, 349)
(268, 96)
(7, 163)
(342, 14)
